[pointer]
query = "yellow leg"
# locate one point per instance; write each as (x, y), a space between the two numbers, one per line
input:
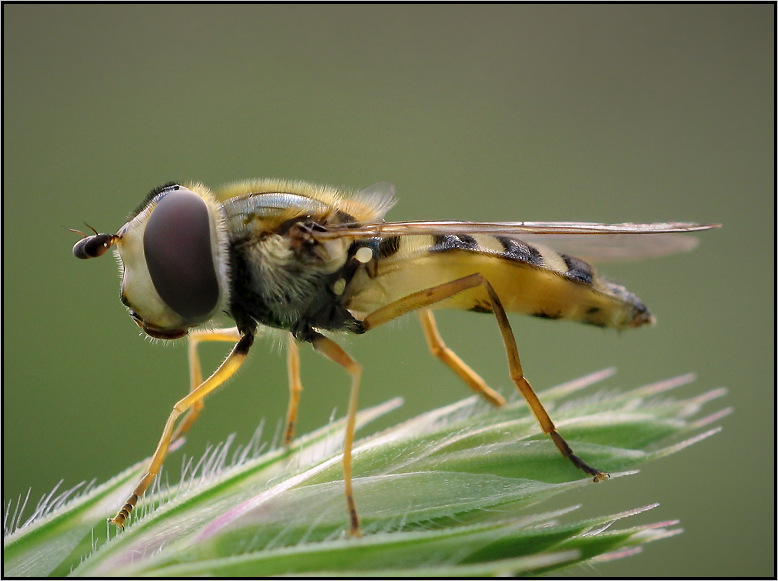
(447, 356)
(517, 375)
(335, 352)
(430, 296)
(196, 378)
(196, 337)
(295, 387)
(195, 397)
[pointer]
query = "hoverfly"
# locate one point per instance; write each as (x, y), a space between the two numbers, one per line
(311, 260)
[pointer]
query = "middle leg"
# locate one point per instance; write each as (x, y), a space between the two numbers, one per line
(335, 352)
(295, 387)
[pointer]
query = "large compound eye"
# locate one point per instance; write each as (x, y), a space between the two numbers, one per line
(177, 248)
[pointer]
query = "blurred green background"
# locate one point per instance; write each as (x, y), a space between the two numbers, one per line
(588, 113)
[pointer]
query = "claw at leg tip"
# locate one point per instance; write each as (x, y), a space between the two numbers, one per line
(115, 521)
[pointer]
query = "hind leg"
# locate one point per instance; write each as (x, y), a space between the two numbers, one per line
(447, 356)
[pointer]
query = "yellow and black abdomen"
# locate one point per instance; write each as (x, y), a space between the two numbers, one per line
(529, 279)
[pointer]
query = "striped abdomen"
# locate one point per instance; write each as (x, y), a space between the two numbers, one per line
(529, 279)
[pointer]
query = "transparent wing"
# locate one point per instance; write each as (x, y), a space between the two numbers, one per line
(615, 247)
(587, 240)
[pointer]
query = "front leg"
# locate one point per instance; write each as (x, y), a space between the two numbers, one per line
(196, 337)
(235, 359)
